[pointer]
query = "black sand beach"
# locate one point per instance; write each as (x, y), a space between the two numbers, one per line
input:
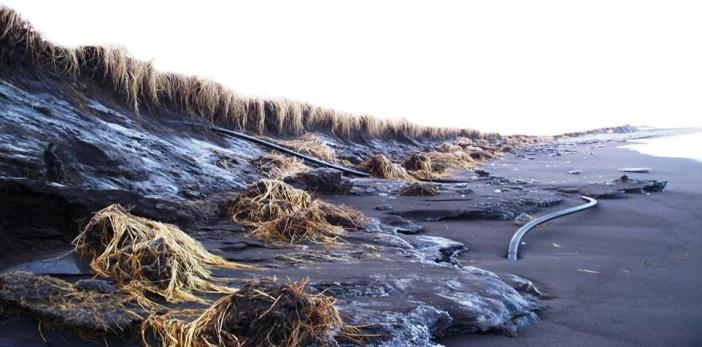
(624, 273)
(140, 207)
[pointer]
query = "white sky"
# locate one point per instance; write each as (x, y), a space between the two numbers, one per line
(535, 67)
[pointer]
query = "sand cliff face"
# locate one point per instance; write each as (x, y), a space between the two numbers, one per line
(80, 136)
(69, 148)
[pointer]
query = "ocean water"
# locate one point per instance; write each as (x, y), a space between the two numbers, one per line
(675, 146)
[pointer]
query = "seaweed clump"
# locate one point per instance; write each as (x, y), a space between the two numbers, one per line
(143, 256)
(262, 313)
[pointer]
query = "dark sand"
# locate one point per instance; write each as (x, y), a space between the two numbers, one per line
(628, 272)
(625, 273)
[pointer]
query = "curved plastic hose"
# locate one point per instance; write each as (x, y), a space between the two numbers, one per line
(521, 232)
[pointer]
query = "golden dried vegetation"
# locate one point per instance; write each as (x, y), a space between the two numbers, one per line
(277, 166)
(281, 213)
(311, 144)
(147, 257)
(262, 313)
(380, 166)
(143, 87)
(419, 189)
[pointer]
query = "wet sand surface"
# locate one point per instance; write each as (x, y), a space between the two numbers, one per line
(628, 272)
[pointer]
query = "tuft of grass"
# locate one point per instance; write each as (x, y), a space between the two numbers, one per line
(304, 225)
(419, 189)
(310, 144)
(380, 166)
(343, 216)
(442, 161)
(279, 212)
(143, 87)
(277, 166)
(262, 313)
(418, 162)
(478, 153)
(267, 200)
(63, 305)
(143, 256)
(447, 147)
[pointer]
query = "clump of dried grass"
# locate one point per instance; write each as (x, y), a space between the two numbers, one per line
(448, 147)
(60, 304)
(343, 216)
(463, 141)
(442, 161)
(305, 225)
(311, 144)
(267, 200)
(143, 87)
(417, 162)
(280, 212)
(380, 166)
(478, 153)
(143, 256)
(262, 313)
(277, 166)
(419, 189)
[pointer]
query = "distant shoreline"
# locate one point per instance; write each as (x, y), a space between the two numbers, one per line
(683, 145)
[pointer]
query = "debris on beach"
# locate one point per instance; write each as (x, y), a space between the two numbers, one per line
(147, 257)
(615, 189)
(522, 219)
(267, 200)
(279, 212)
(303, 225)
(522, 285)
(380, 166)
(481, 173)
(442, 161)
(321, 180)
(343, 216)
(277, 166)
(61, 304)
(262, 313)
(311, 144)
(418, 161)
(636, 169)
(419, 189)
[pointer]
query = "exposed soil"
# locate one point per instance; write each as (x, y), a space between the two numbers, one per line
(624, 273)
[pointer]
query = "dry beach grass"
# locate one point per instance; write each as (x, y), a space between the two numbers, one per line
(262, 313)
(279, 212)
(147, 257)
(145, 88)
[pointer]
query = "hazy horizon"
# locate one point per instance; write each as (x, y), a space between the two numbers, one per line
(542, 67)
